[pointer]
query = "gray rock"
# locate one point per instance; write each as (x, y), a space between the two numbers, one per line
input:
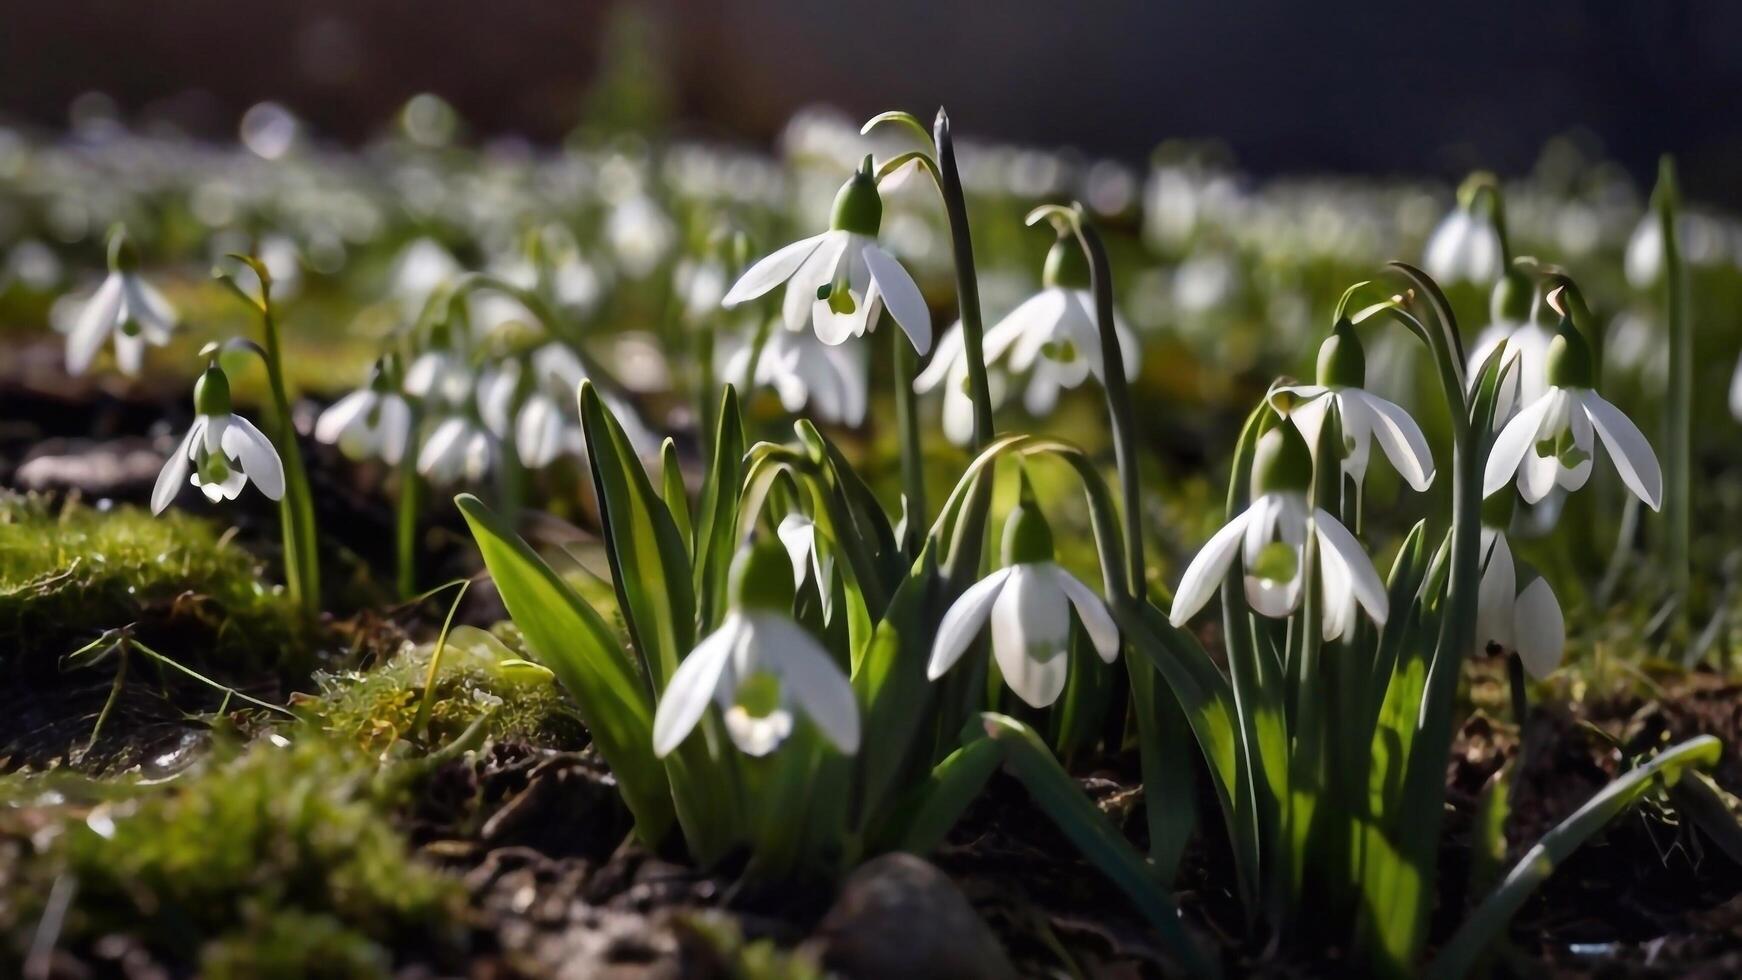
(897, 915)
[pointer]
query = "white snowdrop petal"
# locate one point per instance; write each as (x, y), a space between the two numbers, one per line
(1091, 612)
(96, 321)
(950, 350)
(1496, 595)
(812, 679)
(1515, 441)
(1031, 631)
(394, 429)
(258, 456)
(901, 295)
(1399, 436)
(963, 621)
(1364, 579)
(1204, 575)
(1627, 446)
(1540, 629)
(175, 470)
(692, 686)
(771, 270)
(340, 415)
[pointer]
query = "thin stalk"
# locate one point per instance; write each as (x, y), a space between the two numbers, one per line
(301, 559)
(967, 281)
(907, 428)
(1680, 390)
(420, 724)
(408, 504)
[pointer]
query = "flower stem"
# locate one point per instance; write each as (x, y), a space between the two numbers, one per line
(1680, 388)
(967, 281)
(408, 504)
(296, 509)
(1119, 408)
(907, 426)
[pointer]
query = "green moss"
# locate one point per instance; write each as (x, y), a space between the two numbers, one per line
(68, 572)
(276, 862)
(720, 939)
(376, 708)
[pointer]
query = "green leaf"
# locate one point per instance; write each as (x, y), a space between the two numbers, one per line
(568, 636)
(1491, 917)
(892, 687)
(672, 488)
(649, 564)
(717, 513)
(1095, 836)
(934, 806)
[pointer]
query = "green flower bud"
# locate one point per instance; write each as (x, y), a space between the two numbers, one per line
(1282, 462)
(1569, 358)
(1027, 538)
(123, 254)
(1510, 300)
(761, 578)
(1066, 265)
(1342, 359)
(858, 206)
(212, 392)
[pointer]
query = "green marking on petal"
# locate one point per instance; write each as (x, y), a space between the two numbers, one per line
(1277, 562)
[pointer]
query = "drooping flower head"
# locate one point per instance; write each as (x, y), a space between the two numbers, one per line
(838, 282)
(373, 421)
(1364, 416)
(1526, 622)
(1519, 320)
(828, 380)
(759, 668)
(948, 371)
(124, 306)
(1469, 244)
(1054, 336)
(1029, 603)
(1549, 442)
(1270, 538)
(223, 450)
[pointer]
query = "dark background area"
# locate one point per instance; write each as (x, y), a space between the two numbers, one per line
(1288, 86)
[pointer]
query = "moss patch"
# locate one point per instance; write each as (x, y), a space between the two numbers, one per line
(278, 861)
(70, 571)
(477, 676)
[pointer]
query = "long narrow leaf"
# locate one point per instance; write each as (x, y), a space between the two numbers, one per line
(567, 635)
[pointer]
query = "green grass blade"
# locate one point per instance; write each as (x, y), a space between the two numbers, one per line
(717, 513)
(672, 491)
(1490, 918)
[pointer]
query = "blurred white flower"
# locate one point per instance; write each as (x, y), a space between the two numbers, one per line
(1529, 622)
(126, 307)
(832, 380)
(373, 421)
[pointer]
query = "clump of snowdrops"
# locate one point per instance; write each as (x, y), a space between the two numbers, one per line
(806, 675)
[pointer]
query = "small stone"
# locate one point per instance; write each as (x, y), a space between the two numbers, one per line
(897, 915)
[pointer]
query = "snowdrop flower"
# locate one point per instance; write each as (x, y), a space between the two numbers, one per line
(1526, 337)
(371, 421)
(1054, 336)
(1467, 245)
(804, 371)
(758, 667)
(1525, 622)
(126, 306)
(639, 233)
(440, 372)
(1029, 603)
(1270, 537)
(1643, 260)
(457, 449)
(1342, 376)
(700, 285)
(839, 281)
(948, 369)
(1548, 443)
(421, 267)
(531, 400)
(223, 450)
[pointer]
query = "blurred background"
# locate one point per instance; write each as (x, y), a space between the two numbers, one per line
(1343, 87)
